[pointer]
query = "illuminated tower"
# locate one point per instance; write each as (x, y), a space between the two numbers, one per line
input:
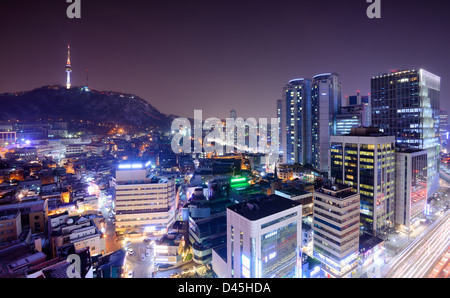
(295, 122)
(68, 68)
(325, 106)
(406, 104)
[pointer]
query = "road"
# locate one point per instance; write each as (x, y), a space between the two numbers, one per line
(141, 261)
(442, 268)
(420, 257)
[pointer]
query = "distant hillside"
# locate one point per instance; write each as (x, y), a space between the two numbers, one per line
(81, 104)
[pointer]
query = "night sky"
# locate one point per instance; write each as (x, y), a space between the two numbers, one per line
(219, 55)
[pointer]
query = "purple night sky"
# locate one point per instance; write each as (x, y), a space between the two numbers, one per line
(217, 55)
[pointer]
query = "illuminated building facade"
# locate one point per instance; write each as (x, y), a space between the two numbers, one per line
(353, 116)
(336, 230)
(7, 137)
(406, 104)
(294, 112)
(411, 197)
(443, 128)
(144, 203)
(326, 105)
(264, 238)
(365, 160)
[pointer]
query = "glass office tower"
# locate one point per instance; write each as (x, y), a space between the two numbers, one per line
(405, 104)
(326, 105)
(365, 160)
(294, 112)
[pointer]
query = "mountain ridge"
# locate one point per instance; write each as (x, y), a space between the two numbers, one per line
(81, 103)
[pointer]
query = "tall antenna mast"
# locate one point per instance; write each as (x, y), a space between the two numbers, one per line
(68, 68)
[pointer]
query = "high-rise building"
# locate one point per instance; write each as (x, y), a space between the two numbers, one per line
(336, 229)
(351, 117)
(280, 136)
(326, 105)
(294, 112)
(405, 104)
(144, 202)
(68, 68)
(411, 185)
(443, 128)
(356, 112)
(264, 238)
(365, 160)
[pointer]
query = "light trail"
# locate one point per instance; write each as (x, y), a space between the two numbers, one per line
(421, 255)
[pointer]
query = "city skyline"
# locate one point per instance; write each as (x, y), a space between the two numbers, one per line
(123, 153)
(146, 49)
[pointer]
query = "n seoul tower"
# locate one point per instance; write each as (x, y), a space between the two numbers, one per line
(68, 68)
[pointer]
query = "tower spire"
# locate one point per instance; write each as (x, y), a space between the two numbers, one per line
(68, 68)
(68, 54)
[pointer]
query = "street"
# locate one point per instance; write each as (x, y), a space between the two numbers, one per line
(418, 259)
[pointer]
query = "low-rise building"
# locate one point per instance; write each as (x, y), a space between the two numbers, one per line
(33, 211)
(16, 260)
(77, 230)
(169, 249)
(10, 227)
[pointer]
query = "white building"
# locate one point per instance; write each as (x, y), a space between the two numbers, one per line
(411, 188)
(336, 229)
(73, 149)
(144, 203)
(76, 230)
(264, 238)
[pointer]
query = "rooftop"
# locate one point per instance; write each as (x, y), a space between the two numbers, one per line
(294, 191)
(367, 241)
(258, 208)
(337, 190)
(366, 132)
(116, 258)
(221, 252)
(148, 180)
(171, 239)
(9, 217)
